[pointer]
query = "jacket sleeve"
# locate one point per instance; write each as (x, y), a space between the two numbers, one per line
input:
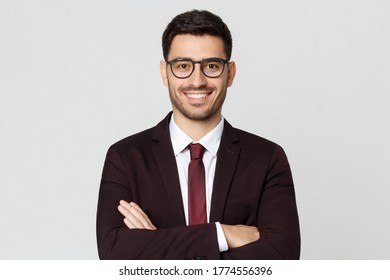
(116, 241)
(277, 217)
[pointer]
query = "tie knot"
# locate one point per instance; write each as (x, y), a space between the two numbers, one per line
(196, 151)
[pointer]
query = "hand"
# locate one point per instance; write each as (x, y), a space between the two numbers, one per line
(240, 235)
(135, 217)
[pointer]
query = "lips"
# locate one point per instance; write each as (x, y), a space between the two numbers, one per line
(196, 95)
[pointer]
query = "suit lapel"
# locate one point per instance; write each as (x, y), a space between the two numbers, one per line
(166, 162)
(228, 155)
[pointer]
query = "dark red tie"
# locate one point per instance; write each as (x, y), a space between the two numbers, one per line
(196, 186)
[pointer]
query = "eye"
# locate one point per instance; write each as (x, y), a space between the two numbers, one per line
(182, 66)
(212, 65)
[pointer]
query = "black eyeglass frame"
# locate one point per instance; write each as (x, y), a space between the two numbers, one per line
(224, 61)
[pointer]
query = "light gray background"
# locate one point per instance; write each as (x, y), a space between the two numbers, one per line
(76, 76)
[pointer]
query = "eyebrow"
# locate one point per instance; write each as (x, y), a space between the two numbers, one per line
(181, 58)
(188, 58)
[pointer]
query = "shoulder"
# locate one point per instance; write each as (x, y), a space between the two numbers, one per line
(146, 138)
(260, 153)
(258, 145)
(252, 145)
(245, 138)
(135, 140)
(250, 138)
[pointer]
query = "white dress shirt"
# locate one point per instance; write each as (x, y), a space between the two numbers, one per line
(180, 141)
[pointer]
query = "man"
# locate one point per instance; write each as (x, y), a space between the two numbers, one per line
(233, 200)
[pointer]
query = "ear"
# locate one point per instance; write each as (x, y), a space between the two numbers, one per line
(163, 71)
(231, 73)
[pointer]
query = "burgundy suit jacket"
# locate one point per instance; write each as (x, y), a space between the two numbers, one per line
(252, 186)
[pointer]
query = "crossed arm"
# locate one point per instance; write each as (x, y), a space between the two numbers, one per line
(130, 233)
(236, 235)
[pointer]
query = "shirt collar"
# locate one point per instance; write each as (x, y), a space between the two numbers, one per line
(180, 140)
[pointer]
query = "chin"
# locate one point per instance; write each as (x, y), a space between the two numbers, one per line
(199, 116)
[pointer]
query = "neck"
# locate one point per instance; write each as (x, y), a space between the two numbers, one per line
(196, 129)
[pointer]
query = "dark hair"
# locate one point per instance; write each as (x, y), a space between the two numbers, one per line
(197, 22)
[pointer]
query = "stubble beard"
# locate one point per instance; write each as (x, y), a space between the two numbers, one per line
(197, 114)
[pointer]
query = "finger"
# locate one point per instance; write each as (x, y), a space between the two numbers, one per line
(129, 209)
(138, 213)
(142, 217)
(147, 220)
(135, 215)
(125, 204)
(135, 205)
(129, 224)
(133, 219)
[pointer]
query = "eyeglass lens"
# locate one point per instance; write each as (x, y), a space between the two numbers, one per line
(183, 68)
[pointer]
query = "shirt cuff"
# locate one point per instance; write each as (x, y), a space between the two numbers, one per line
(222, 243)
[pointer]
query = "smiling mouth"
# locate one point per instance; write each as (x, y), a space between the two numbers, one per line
(196, 95)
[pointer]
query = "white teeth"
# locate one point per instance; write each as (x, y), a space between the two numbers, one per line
(197, 95)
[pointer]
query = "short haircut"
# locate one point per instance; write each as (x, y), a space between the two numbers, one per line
(197, 22)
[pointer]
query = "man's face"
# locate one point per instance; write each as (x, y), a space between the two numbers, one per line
(197, 97)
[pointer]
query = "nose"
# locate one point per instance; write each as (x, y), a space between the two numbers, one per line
(197, 78)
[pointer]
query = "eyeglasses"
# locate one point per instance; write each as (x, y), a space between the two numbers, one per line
(212, 67)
